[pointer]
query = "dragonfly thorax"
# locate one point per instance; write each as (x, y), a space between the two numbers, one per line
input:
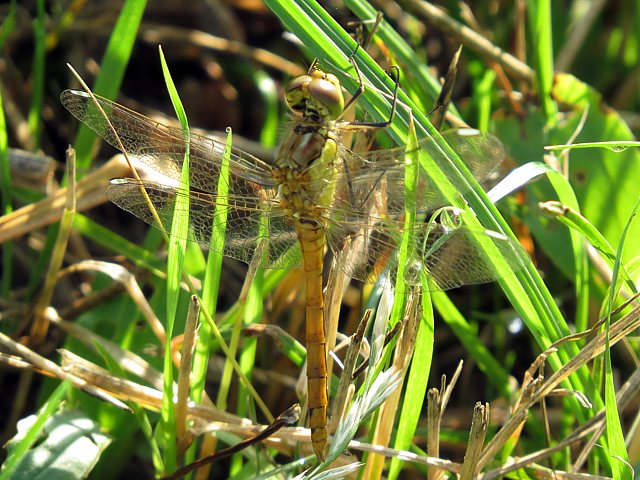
(305, 171)
(315, 97)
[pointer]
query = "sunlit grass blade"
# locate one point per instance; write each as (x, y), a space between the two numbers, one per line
(220, 220)
(218, 240)
(577, 223)
(177, 247)
(407, 250)
(210, 289)
(615, 146)
(365, 404)
(616, 444)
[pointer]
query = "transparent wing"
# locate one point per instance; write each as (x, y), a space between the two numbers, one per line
(380, 173)
(366, 218)
(450, 256)
(252, 225)
(162, 147)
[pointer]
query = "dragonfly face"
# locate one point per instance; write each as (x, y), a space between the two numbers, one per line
(316, 97)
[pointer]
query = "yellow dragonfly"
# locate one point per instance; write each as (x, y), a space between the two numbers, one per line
(316, 192)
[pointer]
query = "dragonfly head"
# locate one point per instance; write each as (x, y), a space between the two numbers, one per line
(316, 96)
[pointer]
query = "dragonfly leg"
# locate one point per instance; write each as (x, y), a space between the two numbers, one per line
(360, 91)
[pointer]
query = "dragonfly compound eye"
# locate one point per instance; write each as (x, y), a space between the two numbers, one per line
(327, 95)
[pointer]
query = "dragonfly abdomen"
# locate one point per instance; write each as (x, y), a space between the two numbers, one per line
(311, 238)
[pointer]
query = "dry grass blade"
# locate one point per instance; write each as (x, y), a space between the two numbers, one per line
(594, 427)
(535, 388)
(146, 397)
(471, 39)
(407, 456)
(289, 417)
(128, 280)
(89, 194)
(479, 425)
(159, 34)
(437, 401)
(401, 361)
(50, 368)
(444, 99)
(40, 324)
(183, 436)
(335, 290)
(433, 429)
(345, 386)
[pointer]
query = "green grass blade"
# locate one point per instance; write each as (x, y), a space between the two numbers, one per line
(8, 23)
(20, 450)
(577, 223)
(416, 384)
(541, 39)
(614, 146)
(177, 248)
(616, 446)
(252, 314)
(482, 97)
(112, 68)
(6, 190)
(38, 67)
(219, 226)
(108, 239)
(211, 283)
(407, 244)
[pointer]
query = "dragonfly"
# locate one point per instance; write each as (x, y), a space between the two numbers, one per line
(317, 192)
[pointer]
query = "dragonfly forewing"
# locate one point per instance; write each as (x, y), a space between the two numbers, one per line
(162, 147)
(377, 177)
